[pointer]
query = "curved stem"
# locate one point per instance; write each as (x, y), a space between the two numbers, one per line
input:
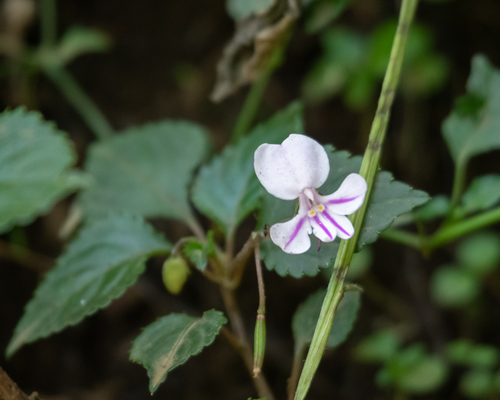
(87, 109)
(368, 170)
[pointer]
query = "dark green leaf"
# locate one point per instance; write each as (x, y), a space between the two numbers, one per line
(472, 131)
(227, 189)
(436, 207)
(145, 170)
(35, 161)
(103, 261)
(483, 193)
(389, 199)
(306, 317)
(170, 341)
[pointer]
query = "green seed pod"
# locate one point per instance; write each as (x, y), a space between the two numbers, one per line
(175, 273)
(259, 344)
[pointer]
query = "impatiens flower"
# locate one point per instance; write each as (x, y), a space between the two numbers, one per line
(295, 169)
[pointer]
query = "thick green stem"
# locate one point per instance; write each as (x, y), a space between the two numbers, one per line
(82, 103)
(251, 105)
(368, 170)
(48, 22)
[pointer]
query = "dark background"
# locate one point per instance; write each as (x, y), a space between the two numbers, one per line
(136, 82)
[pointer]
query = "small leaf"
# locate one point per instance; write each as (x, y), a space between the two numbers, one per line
(480, 253)
(379, 347)
(477, 383)
(104, 260)
(389, 199)
(472, 131)
(35, 161)
(426, 376)
(170, 341)
(198, 252)
(227, 189)
(483, 193)
(306, 317)
(79, 40)
(436, 207)
(145, 170)
(239, 9)
(454, 287)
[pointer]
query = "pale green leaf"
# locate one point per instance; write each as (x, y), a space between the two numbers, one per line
(170, 341)
(239, 9)
(483, 193)
(454, 287)
(35, 162)
(105, 259)
(305, 319)
(472, 128)
(227, 189)
(145, 170)
(389, 199)
(79, 40)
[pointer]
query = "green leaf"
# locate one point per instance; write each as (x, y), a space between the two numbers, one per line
(145, 170)
(35, 161)
(436, 207)
(79, 40)
(305, 319)
(454, 287)
(227, 189)
(239, 9)
(379, 347)
(483, 193)
(105, 259)
(477, 383)
(389, 199)
(320, 13)
(472, 128)
(480, 253)
(198, 252)
(170, 341)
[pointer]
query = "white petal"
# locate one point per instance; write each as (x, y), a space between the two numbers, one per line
(293, 236)
(348, 198)
(285, 170)
(322, 228)
(344, 227)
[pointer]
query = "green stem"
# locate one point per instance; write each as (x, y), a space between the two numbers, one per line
(252, 102)
(48, 22)
(458, 183)
(80, 101)
(368, 170)
(403, 237)
(450, 232)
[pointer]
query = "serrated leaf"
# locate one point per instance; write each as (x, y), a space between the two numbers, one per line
(227, 189)
(305, 319)
(239, 9)
(145, 170)
(170, 341)
(105, 259)
(472, 127)
(35, 161)
(483, 193)
(389, 199)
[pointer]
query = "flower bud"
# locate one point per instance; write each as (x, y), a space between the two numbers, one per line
(259, 346)
(175, 273)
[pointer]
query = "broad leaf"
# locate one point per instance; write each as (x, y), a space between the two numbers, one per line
(389, 199)
(170, 341)
(227, 189)
(104, 260)
(472, 128)
(483, 193)
(35, 161)
(306, 317)
(145, 170)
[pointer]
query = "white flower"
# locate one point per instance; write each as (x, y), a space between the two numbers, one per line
(295, 169)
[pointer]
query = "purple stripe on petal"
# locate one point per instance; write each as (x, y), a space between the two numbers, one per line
(316, 218)
(296, 231)
(329, 217)
(340, 201)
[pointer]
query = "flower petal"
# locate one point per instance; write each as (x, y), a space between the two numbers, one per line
(344, 227)
(285, 170)
(348, 198)
(293, 236)
(322, 228)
